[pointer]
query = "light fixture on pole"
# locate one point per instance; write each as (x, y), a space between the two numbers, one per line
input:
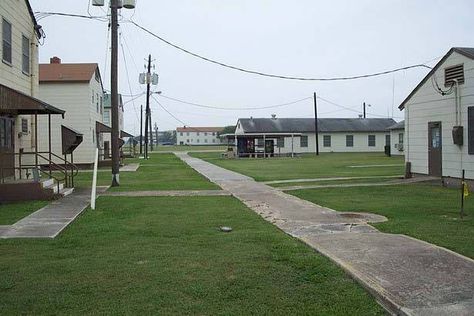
(115, 5)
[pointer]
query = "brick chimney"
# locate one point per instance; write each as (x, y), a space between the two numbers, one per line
(55, 60)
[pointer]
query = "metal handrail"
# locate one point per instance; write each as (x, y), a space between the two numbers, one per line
(63, 169)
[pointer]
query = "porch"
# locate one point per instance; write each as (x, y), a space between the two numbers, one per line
(24, 169)
(260, 145)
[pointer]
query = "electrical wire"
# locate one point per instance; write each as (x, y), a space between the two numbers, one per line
(234, 108)
(128, 78)
(269, 74)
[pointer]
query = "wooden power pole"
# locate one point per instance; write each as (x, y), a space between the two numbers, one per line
(141, 129)
(114, 94)
(316, 129)
(147, 107)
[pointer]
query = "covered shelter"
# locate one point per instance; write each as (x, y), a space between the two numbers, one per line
(259, 144)
(12, 104)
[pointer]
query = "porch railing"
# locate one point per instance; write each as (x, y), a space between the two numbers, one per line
(64, 171)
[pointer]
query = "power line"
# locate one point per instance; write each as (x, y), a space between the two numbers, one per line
(233, 109)
(274, 75)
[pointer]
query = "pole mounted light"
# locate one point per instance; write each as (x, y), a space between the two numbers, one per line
(115, 5)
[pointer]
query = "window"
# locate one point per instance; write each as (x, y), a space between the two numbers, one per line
(197, 133)
(181, 134)
(187, 133)
(24, 126)
(213, 140)
(97, 102)
(107, 117)
(205, 133)
(400, 138)
(187, 140)
(205, 140)
(7, 41)
(303, 141)
(349, 140)
(327, 141)
(470, 130)
(101, 105)
(92, 97)
(387, 140)
(213, 133)
(371, 140)
(197, 140)
(280, 142)
(25, 48)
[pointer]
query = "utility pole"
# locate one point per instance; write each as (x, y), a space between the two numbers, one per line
(151, 133)
(316, 130)
(141, 129)
(114, 94)
(156, 134)
(147, 108)
(364, 111)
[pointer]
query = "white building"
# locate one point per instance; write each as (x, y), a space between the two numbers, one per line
(107, 120)
(397, 138)
(297, 135)
(198, 135)
(439, 118)
(77, 89)
(19, 106)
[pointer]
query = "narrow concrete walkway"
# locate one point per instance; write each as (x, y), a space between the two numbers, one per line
(50, 220)
(169, 193)
(330, 179)
(351, 185)
(408, 276)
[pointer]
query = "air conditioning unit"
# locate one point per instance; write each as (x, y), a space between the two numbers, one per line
(400, 147)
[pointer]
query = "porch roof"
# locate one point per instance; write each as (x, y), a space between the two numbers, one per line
(102, 128)
(14, 102)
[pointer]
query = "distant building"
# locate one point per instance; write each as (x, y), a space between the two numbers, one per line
(107, 120)
(77, 89)
(297, 135)
(198, 135)
(439, 118)
(397, 136)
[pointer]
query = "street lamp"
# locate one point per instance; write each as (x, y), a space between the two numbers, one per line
(115, 5)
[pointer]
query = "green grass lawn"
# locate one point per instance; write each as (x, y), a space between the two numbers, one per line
(166, 256)
(160, 172)
(190, 148)
(10, 213)
(309, 166)
(423, 211)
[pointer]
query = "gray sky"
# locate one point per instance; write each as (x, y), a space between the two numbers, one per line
(298, 38)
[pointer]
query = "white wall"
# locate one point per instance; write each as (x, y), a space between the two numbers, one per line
(429, 106)
(395, 140)
(12, 76)
(197, 138)
(81, 115)
(338, 143)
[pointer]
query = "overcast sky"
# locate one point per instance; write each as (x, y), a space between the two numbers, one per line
(297, 38)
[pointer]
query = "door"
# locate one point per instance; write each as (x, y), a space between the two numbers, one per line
(434, 149)
(106, 150)
(7, 158)
(269, 146)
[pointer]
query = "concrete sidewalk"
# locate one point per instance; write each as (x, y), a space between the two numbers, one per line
(50, 220)
(406, 275)
(169, 193)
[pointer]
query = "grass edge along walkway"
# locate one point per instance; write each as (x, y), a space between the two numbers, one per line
(183, 265)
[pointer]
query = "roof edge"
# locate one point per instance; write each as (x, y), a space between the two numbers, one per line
(458, 50)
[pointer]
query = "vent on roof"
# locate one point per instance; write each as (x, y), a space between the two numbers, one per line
(451, 74)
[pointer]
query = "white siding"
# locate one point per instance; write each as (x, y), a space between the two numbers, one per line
(197, 138)
(81, 115)
(12, 76)
(426, 105)
(395, 142)
(338, 143)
